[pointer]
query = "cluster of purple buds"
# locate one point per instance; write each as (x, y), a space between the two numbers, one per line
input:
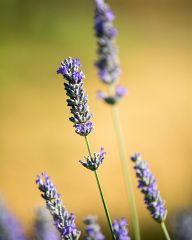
(43, 228)
(78, 100)
(92, 229)
(148, 186)
(120, 91)
(10, 228)
(108, 62)
(93, 163)
(64, 222)
(120, 229)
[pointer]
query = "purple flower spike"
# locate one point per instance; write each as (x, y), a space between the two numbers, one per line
(93, 163)
(92, 229)
(148, 186)
(77, 99)
(108, 60)
(64, 222)
(120, 229)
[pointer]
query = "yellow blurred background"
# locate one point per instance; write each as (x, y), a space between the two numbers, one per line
(155, 50)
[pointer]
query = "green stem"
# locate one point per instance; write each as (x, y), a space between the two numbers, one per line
(100, 191)
(124, 163)
(165, 231)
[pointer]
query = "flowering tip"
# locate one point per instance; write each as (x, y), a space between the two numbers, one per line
(94, 163)
(148, 186)
(64, 221)
(108, 60)
(77, 99)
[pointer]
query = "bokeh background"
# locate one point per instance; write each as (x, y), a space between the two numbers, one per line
(155, 50)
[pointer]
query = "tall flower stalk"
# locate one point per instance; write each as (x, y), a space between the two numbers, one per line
(109, 72)
(78, 103)
(148, 186)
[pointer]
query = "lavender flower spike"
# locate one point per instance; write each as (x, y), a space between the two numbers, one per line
(64, 221)
(108, 62)
(148, 186)
(120, 229)
(93, 230)
(93, 163)
(77, 100)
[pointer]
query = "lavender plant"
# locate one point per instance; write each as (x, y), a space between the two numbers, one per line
(78, 103)
(93, 229)
(120, 229)
(148, 186)
(108, 61)
(109, 72)
(10, 228)
(64, 222)
(78, 100)
(43, 228)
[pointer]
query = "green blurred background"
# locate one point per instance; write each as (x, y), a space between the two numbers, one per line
(155, 50)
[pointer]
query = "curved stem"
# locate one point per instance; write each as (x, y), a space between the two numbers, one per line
(100, 191)
(124, 163)
(165, 231)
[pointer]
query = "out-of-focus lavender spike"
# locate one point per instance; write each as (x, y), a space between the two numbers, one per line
(181, 224)
(93, 229)
(10, 228)
(148, 186)
(43, 227)
(64, 222)
(108, 60)
(93, 163)
(120, 229)
(78, 100)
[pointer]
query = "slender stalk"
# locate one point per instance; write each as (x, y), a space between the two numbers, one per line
(101, 192)
(165, 231)
(124, 163)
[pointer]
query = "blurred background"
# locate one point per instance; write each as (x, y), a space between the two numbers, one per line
(154, 43)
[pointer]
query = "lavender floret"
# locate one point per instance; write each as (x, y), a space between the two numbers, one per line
(120, 229)
(148, 186)
(64, 222)
(10, 228)
(93, 163)
(120, 91)
(43, 228)
(93, 230)
(78, 100)
(108, 62)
